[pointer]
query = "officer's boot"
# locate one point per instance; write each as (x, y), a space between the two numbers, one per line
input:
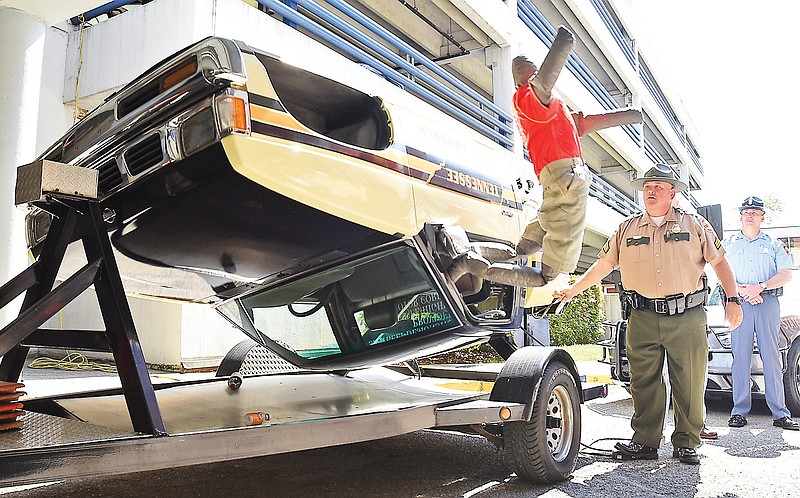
(468, 262)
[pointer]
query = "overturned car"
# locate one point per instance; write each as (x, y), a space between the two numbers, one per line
(318, 219)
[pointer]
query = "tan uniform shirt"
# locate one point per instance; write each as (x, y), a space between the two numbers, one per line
(659, 261)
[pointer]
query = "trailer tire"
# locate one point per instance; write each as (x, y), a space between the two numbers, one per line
(791, 378)
(545, 449)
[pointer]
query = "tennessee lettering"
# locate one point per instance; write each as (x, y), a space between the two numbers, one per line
(472, 182)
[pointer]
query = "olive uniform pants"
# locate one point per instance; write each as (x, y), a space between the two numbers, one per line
(683, 338)
(559, 226)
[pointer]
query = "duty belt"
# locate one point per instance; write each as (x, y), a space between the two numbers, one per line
(670, 305)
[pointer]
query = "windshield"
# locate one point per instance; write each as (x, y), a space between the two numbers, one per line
(371, 304)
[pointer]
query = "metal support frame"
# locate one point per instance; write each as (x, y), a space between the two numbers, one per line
(80, 220)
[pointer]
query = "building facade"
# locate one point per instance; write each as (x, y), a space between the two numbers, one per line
(447, 56)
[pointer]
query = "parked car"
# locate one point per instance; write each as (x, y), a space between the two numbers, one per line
(720, 359)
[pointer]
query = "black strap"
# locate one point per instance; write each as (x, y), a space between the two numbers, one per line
(670, 305)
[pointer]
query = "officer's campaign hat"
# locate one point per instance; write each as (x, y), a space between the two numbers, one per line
(659, 173)
(753, 202)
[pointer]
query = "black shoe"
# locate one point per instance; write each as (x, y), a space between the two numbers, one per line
(686, 455)
(786, 423)
(739, 421)
(634, 451)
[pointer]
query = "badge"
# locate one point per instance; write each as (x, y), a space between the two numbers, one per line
(676, 227)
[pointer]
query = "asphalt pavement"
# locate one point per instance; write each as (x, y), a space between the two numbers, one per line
(755, 461)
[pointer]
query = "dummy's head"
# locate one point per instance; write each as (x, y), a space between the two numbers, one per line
(523, 70)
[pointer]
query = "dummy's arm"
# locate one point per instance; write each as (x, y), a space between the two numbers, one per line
(593, 122)
(551, 67)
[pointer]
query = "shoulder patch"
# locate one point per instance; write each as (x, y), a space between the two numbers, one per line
(706, 225)
(606, 247)
(717, 243)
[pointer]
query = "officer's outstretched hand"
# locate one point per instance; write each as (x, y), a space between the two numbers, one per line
(565, 294)
(733, 315)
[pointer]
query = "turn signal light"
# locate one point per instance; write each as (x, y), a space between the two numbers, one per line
(183, 71)
(232, 114)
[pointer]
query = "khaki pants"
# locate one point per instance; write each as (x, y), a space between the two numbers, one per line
(562, 215)
(683, 338)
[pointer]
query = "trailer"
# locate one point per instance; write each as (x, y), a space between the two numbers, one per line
(259, 404)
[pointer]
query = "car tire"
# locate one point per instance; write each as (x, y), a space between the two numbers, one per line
(545, 449)
(791, 378)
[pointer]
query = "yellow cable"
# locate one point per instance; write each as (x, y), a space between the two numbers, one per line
(73, 362)
(80, 63)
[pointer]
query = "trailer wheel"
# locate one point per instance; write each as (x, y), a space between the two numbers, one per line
(546, 448)
(791, 378)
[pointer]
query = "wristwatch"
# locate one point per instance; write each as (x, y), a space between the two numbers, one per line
(763, 286)
(735, 299)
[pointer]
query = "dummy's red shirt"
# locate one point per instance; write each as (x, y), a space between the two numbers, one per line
(549, 132)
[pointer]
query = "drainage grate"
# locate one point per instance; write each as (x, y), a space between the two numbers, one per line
(144, 155)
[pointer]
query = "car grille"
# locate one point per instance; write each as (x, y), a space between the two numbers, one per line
(136, 99)
(109, 177)
(144, 155)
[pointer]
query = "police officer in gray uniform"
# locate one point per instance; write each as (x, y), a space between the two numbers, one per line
(762, 266)
(662, 255)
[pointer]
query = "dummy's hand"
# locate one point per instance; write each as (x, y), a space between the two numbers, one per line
(733, 315)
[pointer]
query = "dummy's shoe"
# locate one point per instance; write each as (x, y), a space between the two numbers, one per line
(686, 455)
(516, 275)
(738, 421)
(707, 434)
(634, 451)
(786, 423)
(468, 262)
(523, 70)
(527, 247)
(494, 251)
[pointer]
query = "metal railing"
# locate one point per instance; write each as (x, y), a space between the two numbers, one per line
(612, 197)
(543, 30)
(615, 30)
(644, 74)
(463, 103)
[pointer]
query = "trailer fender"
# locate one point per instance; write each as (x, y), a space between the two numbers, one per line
(519, 379)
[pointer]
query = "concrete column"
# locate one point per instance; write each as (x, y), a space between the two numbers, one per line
(499, 60)
(22, 39)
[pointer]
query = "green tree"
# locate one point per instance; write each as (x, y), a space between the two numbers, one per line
(581, 320)
(773, 205)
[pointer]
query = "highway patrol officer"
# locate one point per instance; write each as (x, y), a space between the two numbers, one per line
(662, 255)
(762, 266)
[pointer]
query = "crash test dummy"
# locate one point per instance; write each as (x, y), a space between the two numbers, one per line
(551, 135)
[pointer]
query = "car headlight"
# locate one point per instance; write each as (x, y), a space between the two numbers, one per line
(723, 335)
